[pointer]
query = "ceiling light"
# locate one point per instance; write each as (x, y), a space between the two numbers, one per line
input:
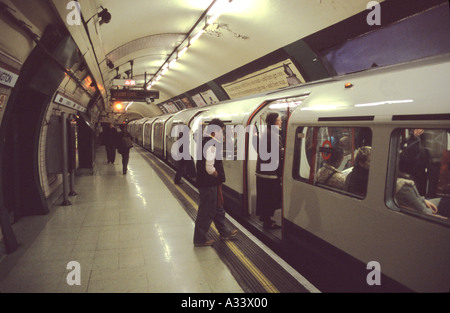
(182, 51)
(172, 63)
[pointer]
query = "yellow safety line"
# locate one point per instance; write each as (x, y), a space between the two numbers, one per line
(264, 281)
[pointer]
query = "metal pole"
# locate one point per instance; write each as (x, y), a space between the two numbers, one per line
(64, 160)
(72, 171)
(72, 183)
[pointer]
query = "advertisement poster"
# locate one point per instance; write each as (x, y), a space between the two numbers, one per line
(170, 107)
(280, 75)
(187, 103)
(199, 100)
(210, 97)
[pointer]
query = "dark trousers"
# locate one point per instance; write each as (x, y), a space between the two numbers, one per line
(125, 159)
(268, 198)
(180, 170)
(208, 212)
(110, 153)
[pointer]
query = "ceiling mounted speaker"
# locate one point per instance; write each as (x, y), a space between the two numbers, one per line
(105, 16)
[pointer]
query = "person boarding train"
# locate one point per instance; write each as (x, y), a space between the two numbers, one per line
(210, 176)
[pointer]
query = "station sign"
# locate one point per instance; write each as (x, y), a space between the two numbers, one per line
(8, 78)
(133, 95)
(124, 82)
(63, 100)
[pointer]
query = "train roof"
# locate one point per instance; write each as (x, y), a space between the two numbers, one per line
(140, 121)
(235, 111)
(164, 117)
(415, 88)
(184, 116)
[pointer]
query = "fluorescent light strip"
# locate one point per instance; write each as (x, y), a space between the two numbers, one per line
(210, 21)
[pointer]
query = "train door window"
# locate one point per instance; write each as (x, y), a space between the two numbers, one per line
(233, 142)
(158, 130)
(336, 158)
(230, 140)
(284, 108)
(419, 168)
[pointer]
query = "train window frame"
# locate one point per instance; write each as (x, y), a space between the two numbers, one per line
(393, 173)
(236, 140)
(301, 134)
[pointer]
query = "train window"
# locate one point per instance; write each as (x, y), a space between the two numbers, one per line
(230, 142)
(421, 176)
(336, 158)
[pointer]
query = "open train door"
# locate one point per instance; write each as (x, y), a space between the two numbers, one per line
(284, 107)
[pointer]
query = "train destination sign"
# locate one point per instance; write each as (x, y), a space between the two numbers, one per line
(133, 95)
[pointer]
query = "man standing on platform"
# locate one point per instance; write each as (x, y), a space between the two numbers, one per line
(210, 176)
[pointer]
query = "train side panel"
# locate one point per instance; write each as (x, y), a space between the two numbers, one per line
(412, 250)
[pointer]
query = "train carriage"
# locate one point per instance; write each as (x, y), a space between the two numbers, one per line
(138, 130)
(131, 127)
(148, 131)
(379, 109)
(159, 135)
(187, 118)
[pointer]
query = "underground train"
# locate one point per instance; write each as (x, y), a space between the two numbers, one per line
(351, 235)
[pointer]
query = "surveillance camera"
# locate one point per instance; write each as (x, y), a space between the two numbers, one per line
(148, 100)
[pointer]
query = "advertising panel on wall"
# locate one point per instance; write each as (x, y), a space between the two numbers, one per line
(210, 97)
(187, 103)
(199, 100)
(279, 75)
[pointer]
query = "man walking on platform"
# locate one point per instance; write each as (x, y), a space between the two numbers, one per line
(110, 141)
(210, 176)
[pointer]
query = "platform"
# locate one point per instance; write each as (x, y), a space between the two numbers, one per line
(133, 233)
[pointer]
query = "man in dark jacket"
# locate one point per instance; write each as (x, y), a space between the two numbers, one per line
(124, 144)
(110, 140)
(210, 176)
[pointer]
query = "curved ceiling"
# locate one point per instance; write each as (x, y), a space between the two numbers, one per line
(148, 32)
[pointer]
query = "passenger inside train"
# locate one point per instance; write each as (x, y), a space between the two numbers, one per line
(342, 157)
(422, 183)
(268, 182)
(328, 174)
(346, 145)
(356, 180)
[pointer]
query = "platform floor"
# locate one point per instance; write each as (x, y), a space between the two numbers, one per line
(127, 232)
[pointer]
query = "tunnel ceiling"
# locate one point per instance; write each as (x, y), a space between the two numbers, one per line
(142, 34)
